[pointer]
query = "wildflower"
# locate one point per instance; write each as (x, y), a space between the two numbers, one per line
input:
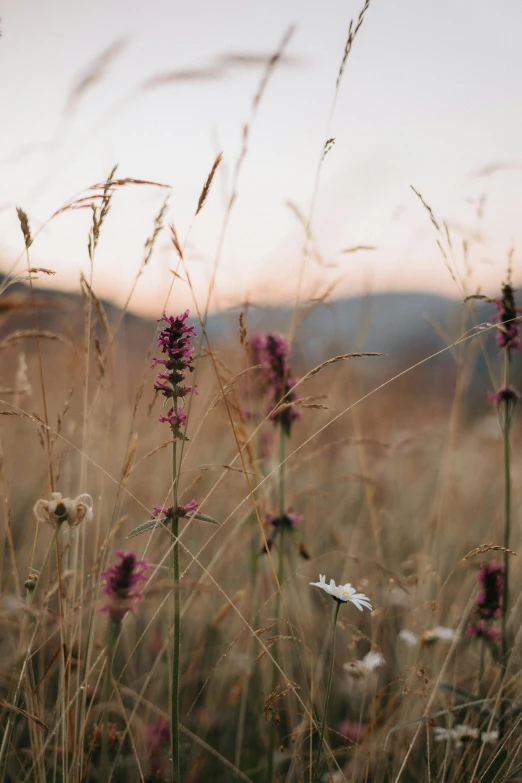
(461, 733)
(429, 636)
(61, 509)
(272, 352)
(174, 341)
(121, 586)
(371, 662)
(489, 601)
(168, 512)
(289, 521)
(506, 394)
(481, 630)
(458, 734)
(343, 593)
(507, 318)
(158, 739)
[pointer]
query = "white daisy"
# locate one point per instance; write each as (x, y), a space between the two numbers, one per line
(458, 734)
(344, 593)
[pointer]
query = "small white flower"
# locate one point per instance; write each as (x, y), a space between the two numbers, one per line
(408, 637)
(458, 734)
(489, 736)
(344, 593)
(430, 636)
(370, 663)
(61, 509)
(439, 634)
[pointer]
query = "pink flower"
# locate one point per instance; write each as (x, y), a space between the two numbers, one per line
(507, 318)
(122, 585)
(273, 353)
(507, 394)
(480, 630)
(175, 342)
(158, 739)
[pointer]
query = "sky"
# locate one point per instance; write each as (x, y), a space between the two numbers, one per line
(429, 98)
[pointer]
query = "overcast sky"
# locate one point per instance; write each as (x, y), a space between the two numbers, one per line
(430, 97)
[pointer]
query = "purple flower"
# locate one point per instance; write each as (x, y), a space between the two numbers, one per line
(273, 353)
(489, 601)
(175, 342)
(167, 511)
(481, 630)
(507, 318)
(289, 520)
(176, 419)
(158, 739)
(122, 585)
(507, 394)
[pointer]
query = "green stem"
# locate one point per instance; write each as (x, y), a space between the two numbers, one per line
(113, 631)
(176, 653)
(280, 576)
(328, 691)
(507, 413)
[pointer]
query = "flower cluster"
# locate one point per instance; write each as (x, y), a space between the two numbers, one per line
(158, 739)
(174, 340)
(489, 601)
(288, 521)
(343, 593)
(168, 511)
(461, 733)
(60, 509)
(122, 585)
(507, 318)
(272, 352)
(506, 394)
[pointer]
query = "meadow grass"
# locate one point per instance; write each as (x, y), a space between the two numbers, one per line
(148, 637)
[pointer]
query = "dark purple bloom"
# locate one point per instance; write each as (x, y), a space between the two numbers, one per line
(158, 739)
(489, 601)
(506, 394)
(175, 342)
(122, 585)
(481, 630)
(507, 318)
(289, 520)
(273, 353)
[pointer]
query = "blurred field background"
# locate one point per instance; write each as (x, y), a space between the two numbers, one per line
(396, 467)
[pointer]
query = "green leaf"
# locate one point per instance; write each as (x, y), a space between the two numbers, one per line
(152, 523)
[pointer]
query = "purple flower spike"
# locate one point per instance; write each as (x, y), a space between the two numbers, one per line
(273, 353)
(122, 585)
(507, 318)
(489, 601)
(175, 342)
(481, 630)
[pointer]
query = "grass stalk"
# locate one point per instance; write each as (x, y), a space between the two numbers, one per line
(328, 691)
(176, 652)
